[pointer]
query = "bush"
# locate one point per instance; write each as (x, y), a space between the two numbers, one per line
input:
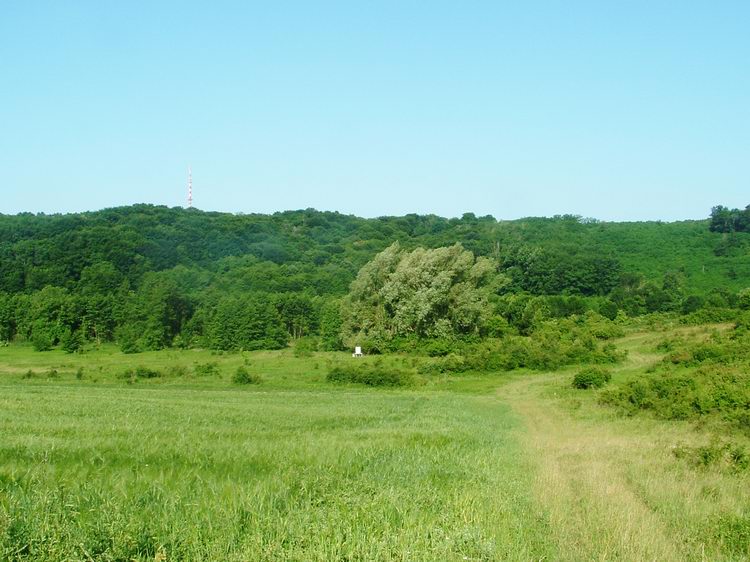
(132, 375)
(206, 369)
(370, 375)
(439, 348)
(304, 347)
(177, 371)
(128, 338)
(41, 341)
(72, 342)
(146, 373)
(591, 377)
(727, 455)
(681, 393)
(243, 376)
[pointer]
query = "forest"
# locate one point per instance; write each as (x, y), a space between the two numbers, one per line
(150, 277)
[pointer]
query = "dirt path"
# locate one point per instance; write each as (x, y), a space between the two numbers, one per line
(585, 480)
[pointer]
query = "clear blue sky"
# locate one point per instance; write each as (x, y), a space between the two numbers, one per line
(616, 110)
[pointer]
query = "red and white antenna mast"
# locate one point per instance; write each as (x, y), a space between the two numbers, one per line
(190, 187)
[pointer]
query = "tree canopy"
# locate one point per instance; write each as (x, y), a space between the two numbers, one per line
(150, 276)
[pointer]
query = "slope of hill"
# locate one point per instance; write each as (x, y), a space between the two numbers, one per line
(40, 250)
(157, 273)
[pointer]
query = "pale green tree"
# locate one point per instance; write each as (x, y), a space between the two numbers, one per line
(441, 292)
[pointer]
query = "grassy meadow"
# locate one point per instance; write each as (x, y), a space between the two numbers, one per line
(99, 464)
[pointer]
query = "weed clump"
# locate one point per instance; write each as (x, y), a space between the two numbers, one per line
(733, 531)
(132, 375)
(304, 347)
(370, 375)
(591, 377)
(210, 369)
(41, 341)
(439, 348)
(177, 371)
(243, 376)
(731, 456)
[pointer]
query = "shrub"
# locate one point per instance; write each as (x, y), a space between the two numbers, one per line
(41, 341)
(727, 455)
(369, 375)
(129, 339)
(591, 377)
(439, 348)
(206, 369)
(72, 342)
(681, 393)
(146, 373)
(132, 375)
(243, 376)
(177, 371)
(304, 347)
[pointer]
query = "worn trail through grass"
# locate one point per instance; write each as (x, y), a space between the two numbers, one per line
(611, 487)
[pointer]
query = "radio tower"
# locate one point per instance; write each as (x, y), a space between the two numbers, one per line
(190, 187)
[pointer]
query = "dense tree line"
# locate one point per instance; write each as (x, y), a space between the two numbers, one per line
(152, 277)
(724, 219)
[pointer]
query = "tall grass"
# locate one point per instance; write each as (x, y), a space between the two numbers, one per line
(140, 471)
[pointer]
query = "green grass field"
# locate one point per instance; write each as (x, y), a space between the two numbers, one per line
(95, 466)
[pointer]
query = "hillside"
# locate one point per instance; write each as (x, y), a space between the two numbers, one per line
(170, 272)
(41, 250)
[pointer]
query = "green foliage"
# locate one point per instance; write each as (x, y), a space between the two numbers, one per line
(729, 220)
(151, 277)
(246, 323)
(304, 347)
(423, 293)
(696, 379)
(733, 532)
(72, 342)
(439, 348)
(744, 299)
(140, 372)
(608, 309)
(369, 375)
(177, 371)
(128, 336)
(41, 340)
(553, 344)
(591, 377)
(724, 455)
(210, 369)
(243, 376)
(330, 327)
